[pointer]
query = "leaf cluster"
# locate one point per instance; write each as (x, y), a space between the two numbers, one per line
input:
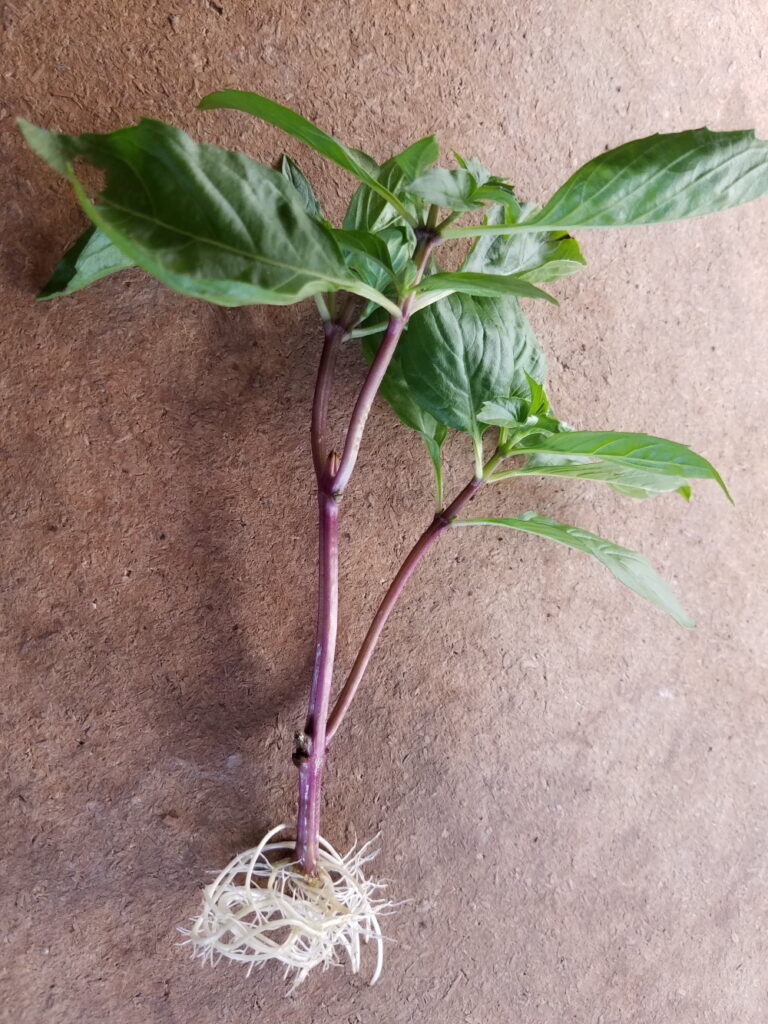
(217, 225)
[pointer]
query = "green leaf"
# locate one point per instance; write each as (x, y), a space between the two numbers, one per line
(483, 284)
(659, 178)
(370, 211)
(414, 160)
(398, 395)
(662, 178)
(462, 352)
(526, 407)
(638, 451)
(496, 191)
(400, 246)
(539, 402)
(504, 412)
(634, 484)
(392, 275)
(450, 189)
(479, 172)
(434, 446)
(515, 414)
(91, 257)
(626, 480)
(560, 258)
(203, 220)
(355, 161)
(628, 567)
(537, 257)
(291, 170)
(368, 253)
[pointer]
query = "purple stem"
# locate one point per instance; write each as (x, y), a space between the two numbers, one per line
(309, 750)
(376, 372)
(439, 524)
(332, 477)
(309, 753)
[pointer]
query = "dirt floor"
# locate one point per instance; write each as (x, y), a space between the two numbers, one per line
(571, 791)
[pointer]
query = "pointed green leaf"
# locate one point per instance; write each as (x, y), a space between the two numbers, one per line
(203, 220)
(662, 178)
(478, 170)
(633, 484)
(647, 181)
(462, 352)
(515, 414)
(504, 412)
(291, 170)
(627, 566)
(370, 211)
(434, 446)
(537, 257)
(399, 396)
(483, 284)
(414, 160)
(496, 191)
(355, 161)
(560, 258)
(91, 257)
(539, 402)
(639, 451)
(626, 480)
(400, 246)
(452, 190)
(368, 253)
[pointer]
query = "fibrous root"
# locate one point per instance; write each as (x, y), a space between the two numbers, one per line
(263, 907)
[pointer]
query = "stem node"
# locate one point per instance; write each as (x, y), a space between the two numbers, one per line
(302, 747)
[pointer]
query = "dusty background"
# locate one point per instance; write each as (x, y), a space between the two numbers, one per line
(570, 789)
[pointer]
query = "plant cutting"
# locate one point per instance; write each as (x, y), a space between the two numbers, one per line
(447, 346)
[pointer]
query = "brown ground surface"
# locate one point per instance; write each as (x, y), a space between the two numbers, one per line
(570, 789)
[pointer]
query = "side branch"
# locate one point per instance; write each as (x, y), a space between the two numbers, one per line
(377, 370)
(439, 524)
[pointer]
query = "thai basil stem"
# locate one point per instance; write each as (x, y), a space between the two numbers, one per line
(439, 525)
(332, 474)
(309, 754)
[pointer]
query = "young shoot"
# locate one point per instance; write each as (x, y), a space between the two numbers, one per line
(449, 348)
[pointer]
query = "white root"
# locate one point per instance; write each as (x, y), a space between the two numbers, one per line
(263, 908)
